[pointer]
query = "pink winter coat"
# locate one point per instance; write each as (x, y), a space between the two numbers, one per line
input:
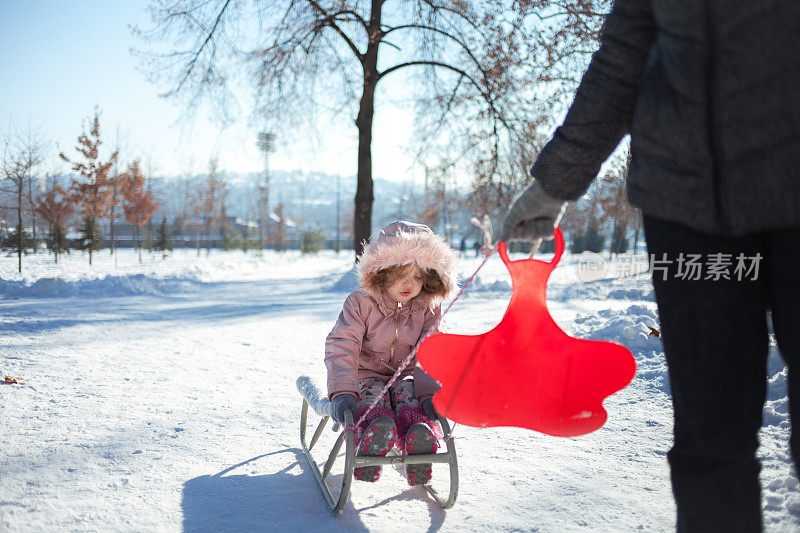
(371, 339)
(373, 335)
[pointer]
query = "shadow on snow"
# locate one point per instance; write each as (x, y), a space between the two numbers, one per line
(227, 501)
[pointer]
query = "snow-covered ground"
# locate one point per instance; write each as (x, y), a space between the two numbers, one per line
(161, 396)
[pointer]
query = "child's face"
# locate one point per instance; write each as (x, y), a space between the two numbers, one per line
(407, 285)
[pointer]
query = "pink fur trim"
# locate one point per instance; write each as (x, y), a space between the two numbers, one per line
(402, 243)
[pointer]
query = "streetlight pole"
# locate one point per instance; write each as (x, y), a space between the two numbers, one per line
(265, 143)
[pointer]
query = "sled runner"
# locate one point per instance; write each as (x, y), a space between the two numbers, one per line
(321, 406)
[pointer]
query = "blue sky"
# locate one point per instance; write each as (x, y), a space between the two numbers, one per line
(61, 58)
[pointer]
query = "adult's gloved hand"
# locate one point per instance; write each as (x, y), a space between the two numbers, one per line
(340, 404)
(534, 215)
(430, 410)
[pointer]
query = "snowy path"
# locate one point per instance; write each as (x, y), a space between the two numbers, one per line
(178, 410)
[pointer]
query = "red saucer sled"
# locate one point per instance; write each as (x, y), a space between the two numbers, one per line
(526, 372)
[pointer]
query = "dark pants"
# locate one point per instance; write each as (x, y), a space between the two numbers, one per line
(716, 343)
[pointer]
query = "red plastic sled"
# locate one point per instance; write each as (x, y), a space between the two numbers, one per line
(526, 372)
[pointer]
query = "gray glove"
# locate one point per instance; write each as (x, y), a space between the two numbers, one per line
(534, 215)
(430, 410)
(342, 403)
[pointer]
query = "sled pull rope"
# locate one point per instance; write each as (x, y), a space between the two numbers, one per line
(488, 250)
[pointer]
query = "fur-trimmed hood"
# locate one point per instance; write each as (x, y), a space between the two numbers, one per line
(403, 243)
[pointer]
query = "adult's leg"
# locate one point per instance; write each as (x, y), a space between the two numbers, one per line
(783, 271)
(715, 340)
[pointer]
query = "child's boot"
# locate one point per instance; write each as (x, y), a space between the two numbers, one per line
(377, 439)
(420, 440)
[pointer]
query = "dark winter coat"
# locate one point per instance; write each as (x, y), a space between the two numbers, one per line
(708, 90)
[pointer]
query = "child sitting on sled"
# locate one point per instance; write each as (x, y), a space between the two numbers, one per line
(404, 275)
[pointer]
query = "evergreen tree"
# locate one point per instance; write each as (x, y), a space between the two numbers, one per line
(231, 238)
(312, 240)
(22, 242)
(250, 238)
(619, 243)
(548, 246)
(595, 241)
(578, 242)
(60, 242)
(91, 236)
(163, 243)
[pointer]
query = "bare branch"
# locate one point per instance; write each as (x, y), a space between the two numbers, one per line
(208, 38)
(486, 96)
(330, 21)
(450, 36)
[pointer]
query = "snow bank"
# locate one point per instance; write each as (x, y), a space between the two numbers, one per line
(136, 284)
(343, 283)
(481, 285)
(181, 270)
(776, 409)
(635, 328)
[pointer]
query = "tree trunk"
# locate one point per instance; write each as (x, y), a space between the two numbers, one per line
(33, 213)
(362, 219)
(91, 238)
(139, 243)
(54, 235)
(113, 213)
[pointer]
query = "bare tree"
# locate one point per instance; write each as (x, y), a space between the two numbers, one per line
(332, 55)
(209, 204)
(437, 204)
(562, 36)
(22, 152)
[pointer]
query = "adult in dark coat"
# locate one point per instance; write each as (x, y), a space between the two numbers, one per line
(708, 90)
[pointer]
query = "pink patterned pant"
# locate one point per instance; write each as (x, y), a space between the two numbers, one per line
(399, 403)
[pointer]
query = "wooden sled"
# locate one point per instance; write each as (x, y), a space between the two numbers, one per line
(321, 406)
